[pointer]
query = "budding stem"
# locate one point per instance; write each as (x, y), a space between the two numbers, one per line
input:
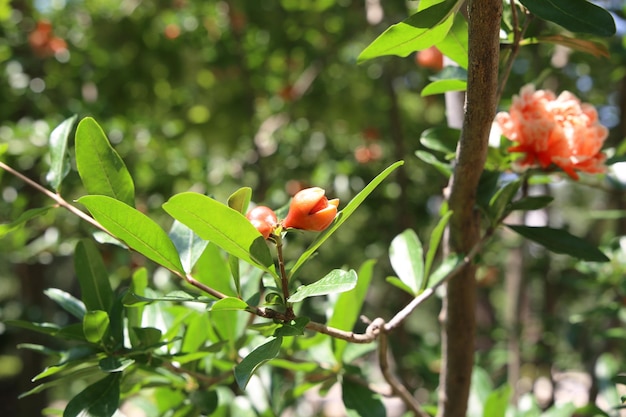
(284, 280)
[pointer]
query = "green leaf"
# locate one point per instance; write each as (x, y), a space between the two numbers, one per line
(361, 401)
(136, 229)
(101, 169)
(336, 281)
(240, 199)
(205, 401)
(575, 15)
(502, 198)
(531, 203)
(442, 139)
(6, 228)
(261, 354)
(59, 161)
(175, 297)
(67, 301)
(455, 44)
(100, 399)
(397, 282)
(225, 227)
(293, 328)
(189, 245)
(442, 271)
(348, 306)
(407, 259)
(94, 283)
(430, 159)
(344, 215)
(417, 32)
(95, 325)
(443, 86)
(212, 269)
(433, 245)
(51, 329)
(147, 336)
(497, 402)
(115, 364)
(229, 303)
(561, 241)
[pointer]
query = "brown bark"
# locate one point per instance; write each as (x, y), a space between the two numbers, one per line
(458, 315)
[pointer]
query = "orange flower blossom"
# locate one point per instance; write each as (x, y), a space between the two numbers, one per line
(263, 219)
(554, 130)
(311, 210)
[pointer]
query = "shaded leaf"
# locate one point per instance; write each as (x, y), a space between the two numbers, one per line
(443, 86)
(455, 44)
(442, 139)
(67, 301)
(6, 228)
(59, 160)
(419, 31)
(115, 364)
(531, 203)
(205, 401)
(575, 15)
(147, 336)
(596, 49)
(261, 354)
(100, 399)
(561, 241)
(336, 281)
(189, 245)
(240, 199)
(293, 328)
(502, 198)
(94, 283)
(361, 401)
(223, 226)
(407, 259)
(136, 229)
(101, 169)
(132, 298)
(343, 215)
(430, 159)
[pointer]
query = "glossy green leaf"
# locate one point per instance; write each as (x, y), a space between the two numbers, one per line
(443, 86)
(101, 169)
(531, 203)
(67, 301)
(442, 271)
(348, 306)
(49, 329)
(430, 159)
(343, 215)
(240, 199)
(397, 282)
(441, 139)
(455, 44)
(336, 281)
(229, 303)
(561, 241)
(502, 198)
(261, 354)
(225, 227)
(574, 15)
(135, 229)
(94, 283)
(147, 336)
(59, 159)
(360, 401)
(189, 245)
(419, 31)
(100, 399)
(293, 328)
(497, 402)
(95, 325)
(6, 228)
(407, 259)
(115, 364)
(435, 239)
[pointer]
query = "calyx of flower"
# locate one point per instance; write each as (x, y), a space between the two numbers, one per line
(311, 210)
(263, 219)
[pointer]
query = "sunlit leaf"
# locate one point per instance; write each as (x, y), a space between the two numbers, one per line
(575, 15)
(95, 288)
(67, 301)
(398, 283)
(561, 241)
(261, 354)
(240, 199)
(136, 229)
(59, 159)
(101, 169)
(443, 86)
(189, 245)
(407, 259)
(442, 167)
(441, 139)
(497, 402)
(336, 281)
(220, 224)
(343, 215)
(100, 399)
(433, 245)
(455, 44)
(229, 303)
(95, 325)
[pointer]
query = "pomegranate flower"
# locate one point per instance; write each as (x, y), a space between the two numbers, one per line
(311, 210)
(263, 219)
(554, 130)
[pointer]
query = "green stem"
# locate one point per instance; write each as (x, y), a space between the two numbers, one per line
(284, 278)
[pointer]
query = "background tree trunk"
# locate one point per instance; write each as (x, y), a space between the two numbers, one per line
(459, 304)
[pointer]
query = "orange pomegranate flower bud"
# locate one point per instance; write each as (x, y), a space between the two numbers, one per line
(311, 210)
(263, 219)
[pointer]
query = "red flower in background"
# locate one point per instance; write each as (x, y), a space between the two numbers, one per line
(554, 130)
(43, 42)
(311, 210)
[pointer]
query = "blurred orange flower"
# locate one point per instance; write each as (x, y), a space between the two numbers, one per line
(554, 130)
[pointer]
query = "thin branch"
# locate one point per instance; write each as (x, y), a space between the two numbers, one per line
(398, 388)
(514, 50)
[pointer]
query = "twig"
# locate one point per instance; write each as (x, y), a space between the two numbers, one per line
(517, 38)
(397, 387)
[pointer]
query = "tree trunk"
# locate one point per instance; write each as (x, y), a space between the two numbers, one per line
(464, 230)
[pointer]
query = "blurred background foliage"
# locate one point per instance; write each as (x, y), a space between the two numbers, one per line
(214, 95)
